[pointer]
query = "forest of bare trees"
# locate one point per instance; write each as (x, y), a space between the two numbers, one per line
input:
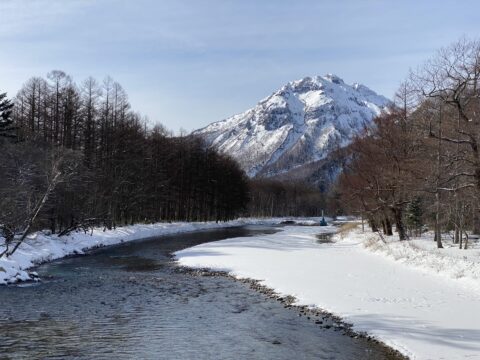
(77, 155)
(269, 197)
(419, 165)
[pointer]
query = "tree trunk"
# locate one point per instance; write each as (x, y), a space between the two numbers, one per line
(397, 214)
(457, 233)
(384, 227)
(388, 224)
(476, 221)
(438, 234)
(460, 239)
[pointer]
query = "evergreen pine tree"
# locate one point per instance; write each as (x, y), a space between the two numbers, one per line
(414, 215)
(6, 123)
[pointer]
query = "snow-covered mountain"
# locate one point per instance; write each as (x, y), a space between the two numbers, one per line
(299, 124)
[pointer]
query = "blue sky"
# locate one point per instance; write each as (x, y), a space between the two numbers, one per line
(186, 63)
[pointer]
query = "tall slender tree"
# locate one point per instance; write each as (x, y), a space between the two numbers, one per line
(7, 129)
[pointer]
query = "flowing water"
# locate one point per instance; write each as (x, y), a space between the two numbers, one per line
(131, 302)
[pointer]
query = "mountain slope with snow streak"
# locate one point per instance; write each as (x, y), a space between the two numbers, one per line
(299, 124)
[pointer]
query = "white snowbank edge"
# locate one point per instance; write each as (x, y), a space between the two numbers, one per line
(40, 247)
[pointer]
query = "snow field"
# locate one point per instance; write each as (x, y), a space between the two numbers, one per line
(403, 296)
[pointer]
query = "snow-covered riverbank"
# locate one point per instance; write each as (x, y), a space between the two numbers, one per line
(416, 299)
(40, 247)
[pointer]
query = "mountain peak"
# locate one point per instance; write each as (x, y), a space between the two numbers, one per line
(333, 78)
(314, 82)
(300, 123)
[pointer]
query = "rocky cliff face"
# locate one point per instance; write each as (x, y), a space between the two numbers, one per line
(299, 124)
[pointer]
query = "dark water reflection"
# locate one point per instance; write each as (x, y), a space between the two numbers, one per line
(129, 302)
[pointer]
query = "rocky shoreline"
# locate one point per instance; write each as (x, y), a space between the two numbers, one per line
(322, 318)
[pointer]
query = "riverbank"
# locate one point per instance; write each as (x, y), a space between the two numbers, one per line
(41, 247)
(321, 318)
(416, 304)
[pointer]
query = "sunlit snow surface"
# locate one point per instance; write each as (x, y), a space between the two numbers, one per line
(405, 296)
(300, 123)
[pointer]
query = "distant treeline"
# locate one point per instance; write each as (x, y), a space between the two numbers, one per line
(269, 198)
(74, 155)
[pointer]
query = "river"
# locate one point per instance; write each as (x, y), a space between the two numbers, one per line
(130, 302)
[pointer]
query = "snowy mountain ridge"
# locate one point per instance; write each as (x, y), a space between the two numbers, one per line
(299, 124)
